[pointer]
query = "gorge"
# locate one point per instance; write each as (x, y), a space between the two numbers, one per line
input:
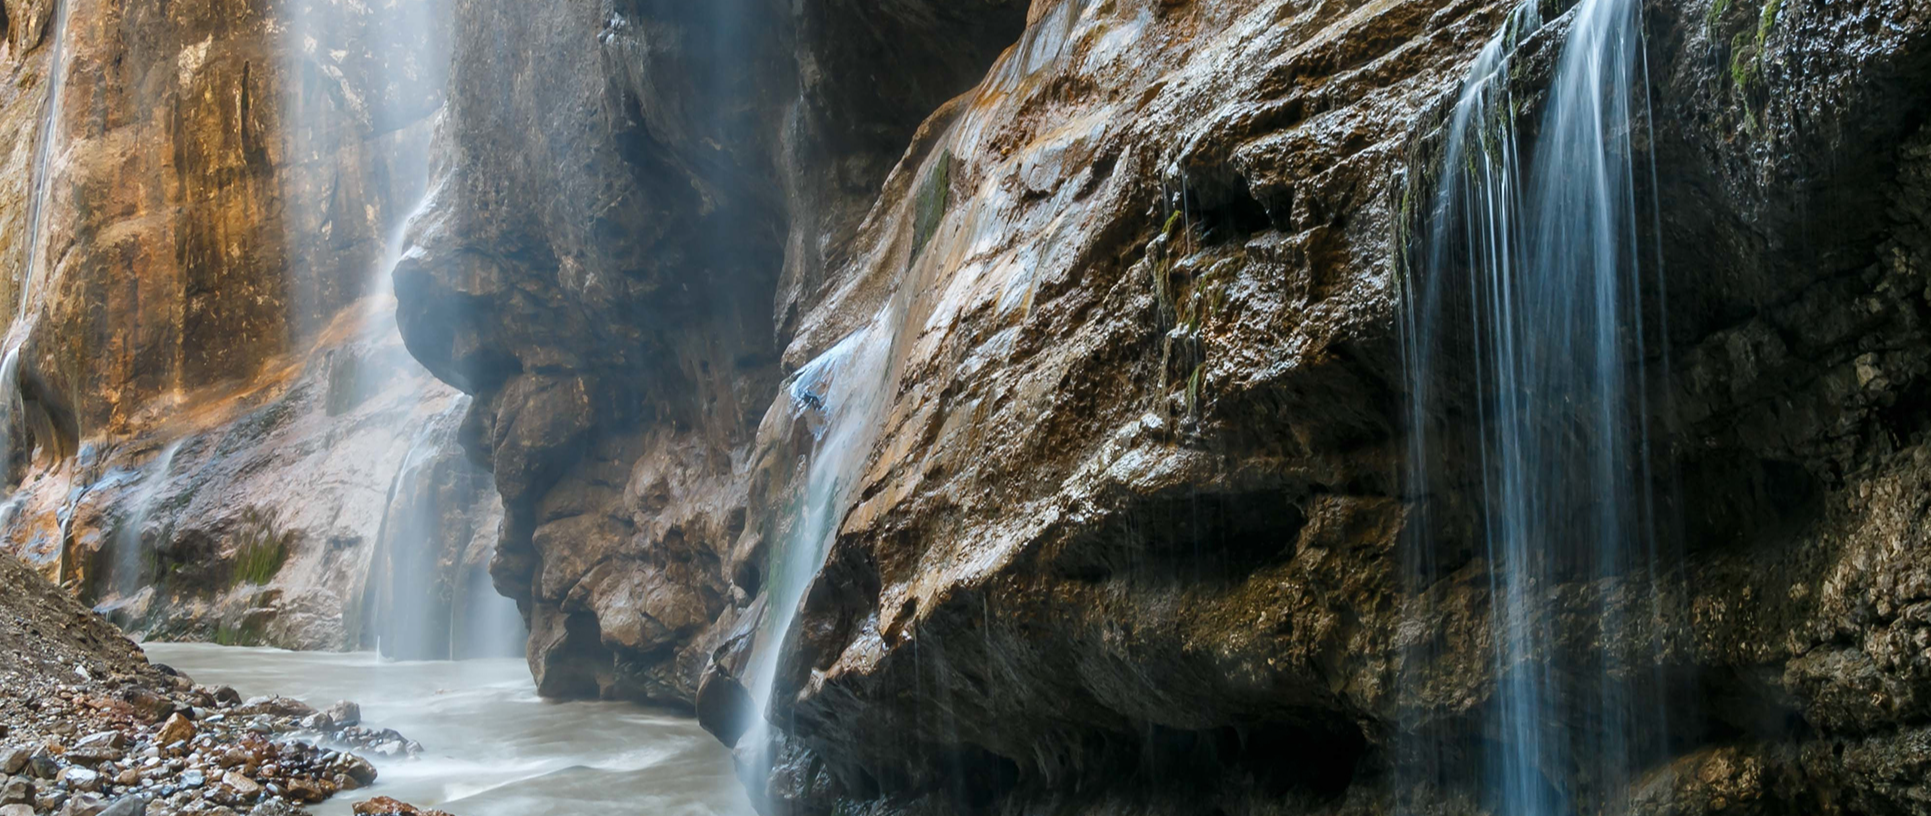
(1072, 406)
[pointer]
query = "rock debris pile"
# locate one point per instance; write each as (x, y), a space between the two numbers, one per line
(89, 727)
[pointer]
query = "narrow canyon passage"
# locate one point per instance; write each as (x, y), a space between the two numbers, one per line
(1003, 408)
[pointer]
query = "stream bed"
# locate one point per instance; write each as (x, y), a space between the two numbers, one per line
(491, 747)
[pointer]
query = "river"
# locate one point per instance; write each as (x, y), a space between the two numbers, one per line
(491, 747)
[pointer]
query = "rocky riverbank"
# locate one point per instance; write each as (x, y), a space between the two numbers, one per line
(89, 726)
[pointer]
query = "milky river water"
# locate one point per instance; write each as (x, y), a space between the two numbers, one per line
(491, 747)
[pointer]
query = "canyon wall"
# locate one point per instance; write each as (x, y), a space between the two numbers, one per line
(208, 422)
(1126, 525)
(629, 220)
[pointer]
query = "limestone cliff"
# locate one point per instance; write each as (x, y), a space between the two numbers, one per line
(207, 422)
(1125, 528)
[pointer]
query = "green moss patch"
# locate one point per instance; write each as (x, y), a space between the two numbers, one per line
(261, 547)
(934, 195)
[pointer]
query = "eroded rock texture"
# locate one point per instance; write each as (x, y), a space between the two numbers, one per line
(631, 216)
(208, 422)
(1127, 526)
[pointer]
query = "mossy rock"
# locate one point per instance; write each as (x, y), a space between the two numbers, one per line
(934, 195)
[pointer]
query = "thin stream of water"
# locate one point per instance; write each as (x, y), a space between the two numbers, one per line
(491, 747)
(41, 188)
(128, 577)
(43, 157)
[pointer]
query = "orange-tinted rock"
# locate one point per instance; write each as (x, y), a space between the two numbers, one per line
(219, 199)
(176, 729)
(385, 806)
(1127, 527)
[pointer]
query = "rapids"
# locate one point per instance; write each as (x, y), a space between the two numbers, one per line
(491, 747)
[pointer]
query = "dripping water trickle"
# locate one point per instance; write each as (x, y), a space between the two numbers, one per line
(1524, 344)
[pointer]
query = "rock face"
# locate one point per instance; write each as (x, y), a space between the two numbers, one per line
(1125, 529)
(615, 251)
(209, 428)
(1121, 523)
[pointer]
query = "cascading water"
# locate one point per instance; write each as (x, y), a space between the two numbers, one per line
(1523, 319)
(43, 158)
(9, 409)
(424, 602)
(838, 395)
(429, 596)
(24, 287)
(419, 593)
(127, 541)
(406, 622)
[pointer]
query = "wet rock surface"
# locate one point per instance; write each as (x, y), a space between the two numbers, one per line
(88, 726)
(385, 806)
(278, 520)
(611, 265)
(1128, 535)
(1126, 526)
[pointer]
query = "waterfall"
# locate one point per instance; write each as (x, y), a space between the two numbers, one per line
(127, 544)
(429, 596)
(419, 596)
(1524, 338)
(838, 396)
(10, 406)
(43, 156)
(40, 189)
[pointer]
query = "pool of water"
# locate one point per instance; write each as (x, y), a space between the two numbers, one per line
(491, 747)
